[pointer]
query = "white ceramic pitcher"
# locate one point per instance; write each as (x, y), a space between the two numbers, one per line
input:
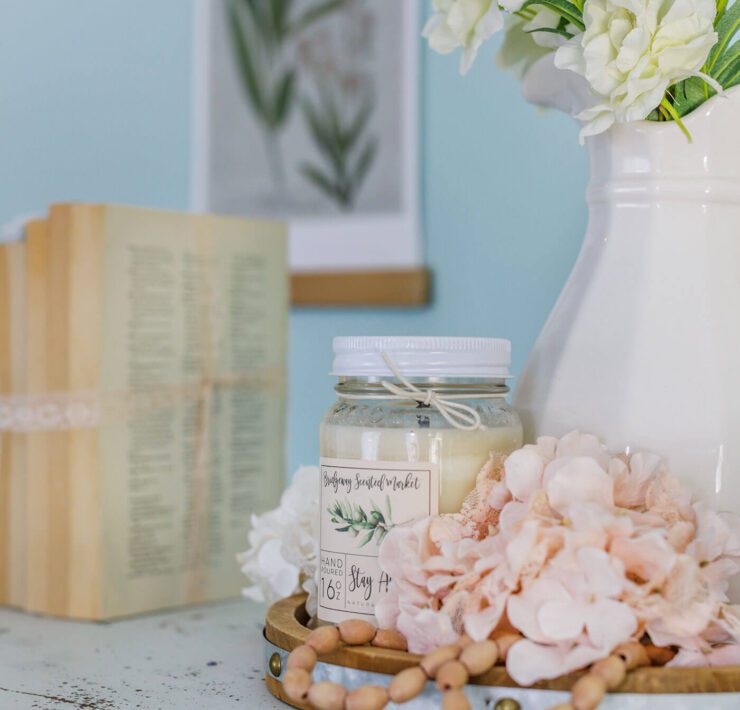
(643, 345)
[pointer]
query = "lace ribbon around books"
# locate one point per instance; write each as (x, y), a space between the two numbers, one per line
(64, 411)
(51, 412)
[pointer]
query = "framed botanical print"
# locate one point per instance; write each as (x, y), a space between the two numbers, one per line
(307, 110)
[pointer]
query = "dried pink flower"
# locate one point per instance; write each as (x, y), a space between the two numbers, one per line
(580, 551)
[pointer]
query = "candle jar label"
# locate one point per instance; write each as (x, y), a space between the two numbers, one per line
(361, 502)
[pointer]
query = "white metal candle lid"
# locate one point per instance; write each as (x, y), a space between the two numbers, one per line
(362, 356)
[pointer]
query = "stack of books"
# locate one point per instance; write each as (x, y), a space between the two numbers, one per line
(142, 392)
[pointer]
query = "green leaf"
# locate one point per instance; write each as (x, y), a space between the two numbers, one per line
(727, 66)
(671, 111)
(343, 529)
(246, 64)
(280, 10)
(321, 127)
(689, 94)
(727, 27)
(338, 141)
(563, 8)
(317, 178)
(377, 516)
(333, 122)
(388, 507)
(261, 17)
(356, 128)
(733, 76)
(552, 30)
(363, 164)
(367, 539)
(315, 13)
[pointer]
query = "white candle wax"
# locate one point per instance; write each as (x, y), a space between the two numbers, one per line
(459, 455)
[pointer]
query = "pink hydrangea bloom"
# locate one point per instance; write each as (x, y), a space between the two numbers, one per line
(577, 549)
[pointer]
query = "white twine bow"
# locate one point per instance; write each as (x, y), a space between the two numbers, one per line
(458, 415)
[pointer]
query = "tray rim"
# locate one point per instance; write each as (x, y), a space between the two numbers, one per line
(284, 629)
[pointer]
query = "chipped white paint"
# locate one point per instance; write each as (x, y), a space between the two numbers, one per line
(203, 657)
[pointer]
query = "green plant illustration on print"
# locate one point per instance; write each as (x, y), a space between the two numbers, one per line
(342, 142)
(261, 33)
(354, 520)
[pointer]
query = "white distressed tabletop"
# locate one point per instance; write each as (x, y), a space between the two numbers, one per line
(207, 657)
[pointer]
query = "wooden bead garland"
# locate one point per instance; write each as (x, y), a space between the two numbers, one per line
(406, 685)
(449, 666)
(432, 662)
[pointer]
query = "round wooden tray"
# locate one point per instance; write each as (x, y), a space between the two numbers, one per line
(285, 628)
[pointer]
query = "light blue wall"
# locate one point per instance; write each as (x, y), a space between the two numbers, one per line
(94, 102)
(95, 105)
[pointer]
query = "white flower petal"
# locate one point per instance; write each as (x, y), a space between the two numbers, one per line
(522, 608)
(528, 662)
(602, 577)
(465, 24)
(523, 473)
(561, 620)
(609, 623)
(426, 630)
(579, 480)
(630, 52)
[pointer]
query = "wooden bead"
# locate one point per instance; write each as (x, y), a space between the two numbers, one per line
(451, 675)
(366, 697)
(323, 640)
(356, 632)
(433, 660)
(505, 641)
(407, 685)
(479, 657)
(588, 691)
(464, 641)
(659, 655)
(297, 682)
(302, 657)
(455, 700)
(327, 695)
(563, 706)
(389, 638)
(633, 654)
(611, 670)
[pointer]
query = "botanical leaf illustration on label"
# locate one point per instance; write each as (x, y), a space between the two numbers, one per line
(353, 519)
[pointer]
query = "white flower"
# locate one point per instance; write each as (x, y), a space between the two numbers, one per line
(519, 50)
(633, 50)
(543, 20)
(283, 544)
(462, 23)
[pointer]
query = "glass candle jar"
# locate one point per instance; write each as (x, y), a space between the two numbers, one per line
(414, 422)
